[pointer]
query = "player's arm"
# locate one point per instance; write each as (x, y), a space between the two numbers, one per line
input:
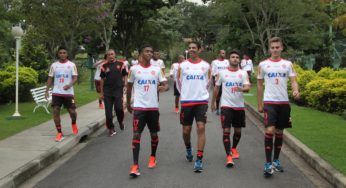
(128, 96)
(260, 89)
(49, 84)
(295, 88)
(213, 101)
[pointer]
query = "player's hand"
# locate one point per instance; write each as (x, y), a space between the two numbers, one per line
(68, 86)
(129, 108)
(260, 109)
(213, 107)
(296, 95)
(161, 89)
(46, 95)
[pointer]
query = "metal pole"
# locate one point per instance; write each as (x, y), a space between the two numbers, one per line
(16, 113)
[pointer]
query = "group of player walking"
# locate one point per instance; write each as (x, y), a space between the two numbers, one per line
(192, 78)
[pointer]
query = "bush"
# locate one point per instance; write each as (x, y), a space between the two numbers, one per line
(325, 72)
(303, 79)
(338, 74)
(327, 95)
(27, 80)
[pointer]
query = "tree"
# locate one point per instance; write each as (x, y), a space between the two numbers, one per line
(60, 22)
(258, 21)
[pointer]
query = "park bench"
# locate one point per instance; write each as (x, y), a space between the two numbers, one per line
(40, 99)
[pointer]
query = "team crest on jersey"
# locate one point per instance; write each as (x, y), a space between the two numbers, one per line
(118, 67)
(153, 73)
(138, 72)
(68, 66)
(283, 66)
(226, 75)
(268, 66)
(203, 69)
(240, 76)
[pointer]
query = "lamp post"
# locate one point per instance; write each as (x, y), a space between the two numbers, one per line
(186, 51)
(17, 32)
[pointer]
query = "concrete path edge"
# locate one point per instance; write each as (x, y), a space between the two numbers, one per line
(333, 176)
(20, 175)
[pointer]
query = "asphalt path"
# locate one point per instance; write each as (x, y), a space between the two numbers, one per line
(105, 161)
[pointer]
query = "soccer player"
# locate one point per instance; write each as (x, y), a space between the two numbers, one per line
(216, 66)
(193, 80)
(63, 74)
(247, 65)
(97, 79)
(275, 72)
(173, 75)
(156, 61)
(234, 82)
(144, 78)
(113, 77)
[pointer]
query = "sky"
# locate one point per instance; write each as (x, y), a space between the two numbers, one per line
(196, 1)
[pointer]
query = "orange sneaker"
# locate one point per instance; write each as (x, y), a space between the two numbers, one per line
(152, 162)
(101, 106)
(59, 137)
(176, 110)
(74, 129)
(229, 161)
(134, 171)
(235, 154)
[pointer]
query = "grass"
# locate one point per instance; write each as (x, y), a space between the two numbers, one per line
(9, 127)
(320, 131)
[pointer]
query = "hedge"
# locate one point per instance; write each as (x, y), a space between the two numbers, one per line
(27, 81)
(325, 90)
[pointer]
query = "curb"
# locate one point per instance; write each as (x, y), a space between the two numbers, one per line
(333, 176)
(23, 173)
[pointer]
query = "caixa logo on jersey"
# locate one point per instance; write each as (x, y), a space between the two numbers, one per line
(142, 82)
(232, 84)
(276, 74)
(61, 76)
(194, 77)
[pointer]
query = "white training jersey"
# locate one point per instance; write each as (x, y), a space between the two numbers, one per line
(174, 70)
(157, 63)
(62, 73)
(127, 65)
(246, 65)
(219, 64)
(145, 83)
(193, 82)
(275, 74)
(134, 62)
(230, 80)
(98, 71)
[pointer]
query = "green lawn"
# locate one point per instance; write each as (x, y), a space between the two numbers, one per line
(10, 127)
(322, 132)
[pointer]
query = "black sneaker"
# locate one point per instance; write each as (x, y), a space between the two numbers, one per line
(121, 125)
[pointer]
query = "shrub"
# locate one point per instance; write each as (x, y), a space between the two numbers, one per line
(327, 95)
(303, 79)
(325, 72)
(27, 80)
(338, 74)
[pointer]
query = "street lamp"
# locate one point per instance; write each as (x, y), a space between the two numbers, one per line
(17, 32)
(186, 51)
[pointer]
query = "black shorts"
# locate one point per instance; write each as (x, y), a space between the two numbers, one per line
(142, 118)
(197, 112)
(68, 102)
(277, 115)
(176, 92)
(232, 118)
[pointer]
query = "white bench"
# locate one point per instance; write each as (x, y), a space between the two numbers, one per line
(39, 95)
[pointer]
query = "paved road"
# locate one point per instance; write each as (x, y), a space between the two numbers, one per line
(105, 161)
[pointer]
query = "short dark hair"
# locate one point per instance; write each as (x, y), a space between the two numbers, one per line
(234, 51)
(140, 49)
(62, 48)
(199, 46)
